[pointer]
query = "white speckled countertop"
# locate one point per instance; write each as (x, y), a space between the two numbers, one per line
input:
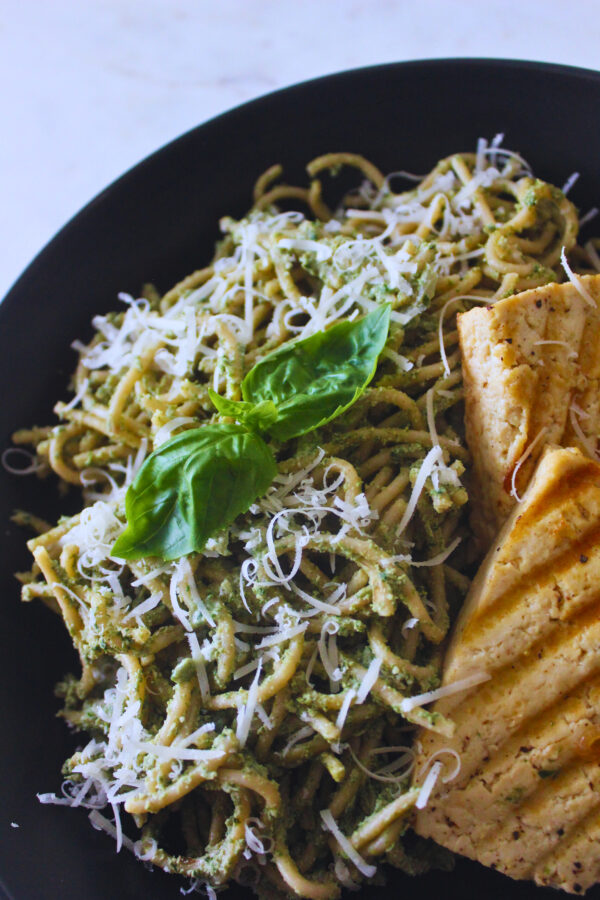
(92, 87)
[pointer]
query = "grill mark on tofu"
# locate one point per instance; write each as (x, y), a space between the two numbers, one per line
(570, 489)
(548, 584)
(536, 568)
(530, 683)
(575, 791)
(528, 792)
(576, 860)
(547, 741)
(516, 792)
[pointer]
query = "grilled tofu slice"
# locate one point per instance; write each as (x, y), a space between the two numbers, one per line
(531, 369)
(527, 798)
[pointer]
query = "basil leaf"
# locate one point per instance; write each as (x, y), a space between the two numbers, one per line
(257, 417)
(191, 487)
(314, 380)
(235, 408)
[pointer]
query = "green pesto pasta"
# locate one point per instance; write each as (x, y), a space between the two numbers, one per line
(243, 704)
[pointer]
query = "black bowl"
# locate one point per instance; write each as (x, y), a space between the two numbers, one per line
(157, 223)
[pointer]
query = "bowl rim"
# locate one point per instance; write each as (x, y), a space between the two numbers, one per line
(139, 168)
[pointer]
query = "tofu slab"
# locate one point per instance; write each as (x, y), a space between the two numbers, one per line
(531, 370)
(527, 798)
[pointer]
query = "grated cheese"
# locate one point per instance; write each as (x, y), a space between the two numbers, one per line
(20, 452)
(345, 708)
(193, 737)
(166, 431)
(253, 842)
(428, 785)
(408, 625)
(353, 855)
(592, 254)
(573, 354)
(321, 251)
(246, 710)
(369, 679)
(406, 763)
(177, 578)
(198, 659)
(433, 459)
(77, 398)
(576, 280)
(328, 655)
(524, 456)
(439, 558)
(569, 183)
(454, 772)
(145, 606)
(305, 732)
(574, 413)
(589, 215)
(410, 703)
(101, 823)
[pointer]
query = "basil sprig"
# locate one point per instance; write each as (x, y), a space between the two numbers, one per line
(198, 482)
(314, 380)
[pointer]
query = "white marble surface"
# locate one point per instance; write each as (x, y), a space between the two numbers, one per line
(90, 87)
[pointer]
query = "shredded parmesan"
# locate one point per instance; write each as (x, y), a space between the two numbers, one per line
(301, 735)
(433, 458)
(328, 652)
(454, 771)
(570, 182)
(588, 216)
(572, 352)
(19, 452)
(198, 659)
(524, 456)
(101, 823)
(576, 280)
(405, 763)
(428, 785)
(353, 855)
(166, 431)
(286, 634)
(586, 442)
(410, 703)
(321, 251)
(440, 557)
(408, 625)
(345, 708)
(369, 679)
(246, 710)
(593, 255)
